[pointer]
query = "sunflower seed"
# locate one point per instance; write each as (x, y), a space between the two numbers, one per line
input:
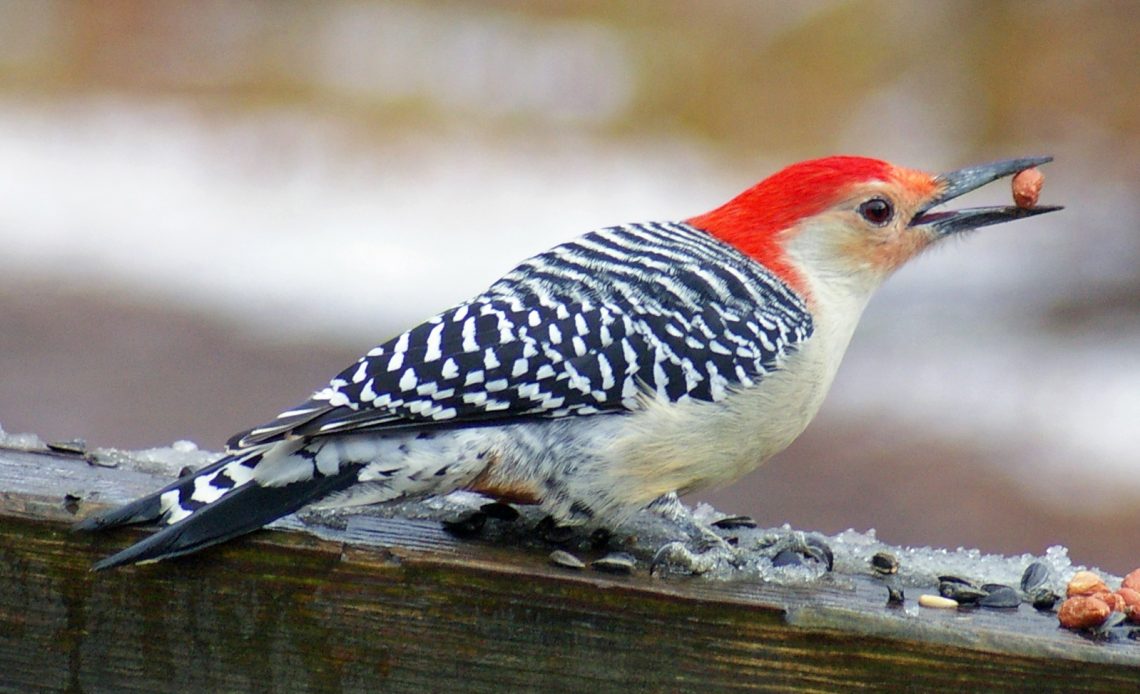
(1035, 576)
(615, 563)
(885, 563)
(734, 522)
(1001, 597)
(560, 557)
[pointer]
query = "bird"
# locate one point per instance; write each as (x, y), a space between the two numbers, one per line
(629, 365)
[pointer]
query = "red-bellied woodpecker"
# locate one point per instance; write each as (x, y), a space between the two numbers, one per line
(628, 364)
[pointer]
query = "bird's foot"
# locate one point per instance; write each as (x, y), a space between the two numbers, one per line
(796, 548)
(705, 550)
(676, 557)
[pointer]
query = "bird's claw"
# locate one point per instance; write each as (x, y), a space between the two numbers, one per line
(796, 548)
(675, 557)
(705, 550)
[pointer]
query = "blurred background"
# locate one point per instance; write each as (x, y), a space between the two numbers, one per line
(208, 209)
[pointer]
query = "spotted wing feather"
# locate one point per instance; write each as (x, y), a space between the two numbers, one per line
(581, 329)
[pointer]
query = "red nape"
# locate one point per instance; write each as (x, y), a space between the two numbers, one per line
(753, 220)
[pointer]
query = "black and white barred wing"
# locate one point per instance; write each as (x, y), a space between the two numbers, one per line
(481, 361)
(582, 329)
(590, 327)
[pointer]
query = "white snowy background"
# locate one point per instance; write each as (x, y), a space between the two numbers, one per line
(300, 181)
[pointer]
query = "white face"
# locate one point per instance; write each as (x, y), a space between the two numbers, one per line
(860, 240)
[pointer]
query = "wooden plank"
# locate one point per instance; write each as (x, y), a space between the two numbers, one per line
(397, 605)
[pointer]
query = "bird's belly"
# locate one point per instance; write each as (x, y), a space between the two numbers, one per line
(603, 467)
(688, 446)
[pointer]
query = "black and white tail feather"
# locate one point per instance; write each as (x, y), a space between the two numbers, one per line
(587, 328)
(234, 509)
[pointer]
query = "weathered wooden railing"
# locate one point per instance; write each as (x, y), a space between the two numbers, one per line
(388, 605)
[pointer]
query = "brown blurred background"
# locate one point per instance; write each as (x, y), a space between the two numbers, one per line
(207, 209)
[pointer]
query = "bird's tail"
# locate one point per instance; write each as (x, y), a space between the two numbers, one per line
(231, 497)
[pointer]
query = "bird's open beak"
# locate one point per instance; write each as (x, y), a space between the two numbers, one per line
(962, 181)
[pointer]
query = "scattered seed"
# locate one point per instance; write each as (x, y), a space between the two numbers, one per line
(73, 446)
(1083, 612)
(561, 557)
(500, 511)
(1131, 603)
(895, 595)
(615, 563)
(467, 525)
(1035, 576)
(734, 522)
(1113, 600)
(103, 460)
(954, 579)
(1043, 599)
(961, 593)
(937, 602)
(885, 563)
(1001, 597)
(1085, 583)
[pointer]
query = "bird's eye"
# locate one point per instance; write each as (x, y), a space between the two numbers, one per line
(877, 211)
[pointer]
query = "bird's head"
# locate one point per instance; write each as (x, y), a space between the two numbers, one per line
(851, 221)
